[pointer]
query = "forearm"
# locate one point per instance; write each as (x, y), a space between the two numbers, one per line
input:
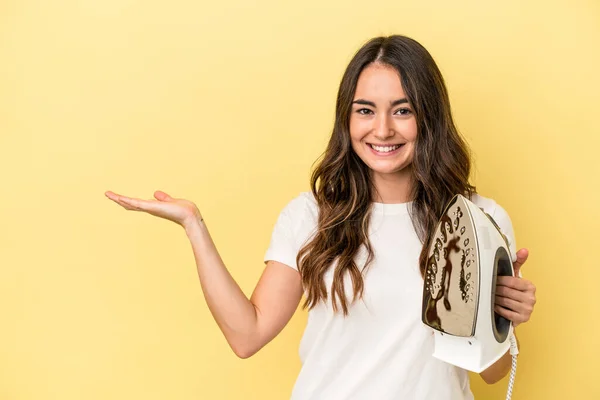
(234, 313)
(499, 369)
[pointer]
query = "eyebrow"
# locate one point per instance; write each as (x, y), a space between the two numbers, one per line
(370, 103)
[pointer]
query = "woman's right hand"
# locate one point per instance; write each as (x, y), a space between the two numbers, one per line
(277, 294)
(180, 211)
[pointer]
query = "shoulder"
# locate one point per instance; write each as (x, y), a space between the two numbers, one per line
(500, 216)
(296, 222)
(300, 214)
(490, 206)
(302, 202)
(302, 206)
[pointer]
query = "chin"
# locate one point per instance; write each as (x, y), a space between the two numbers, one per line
(392, 169)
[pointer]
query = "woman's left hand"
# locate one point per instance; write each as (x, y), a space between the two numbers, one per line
(515, 296)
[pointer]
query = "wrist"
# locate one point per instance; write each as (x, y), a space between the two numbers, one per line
(193, 223)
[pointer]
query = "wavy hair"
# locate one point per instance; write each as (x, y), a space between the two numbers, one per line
(342, 184)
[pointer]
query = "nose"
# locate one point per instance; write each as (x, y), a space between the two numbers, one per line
(383, 129)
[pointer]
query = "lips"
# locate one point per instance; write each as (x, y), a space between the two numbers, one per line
(384, 150)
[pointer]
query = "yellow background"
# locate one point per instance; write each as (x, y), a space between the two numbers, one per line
(228, 104)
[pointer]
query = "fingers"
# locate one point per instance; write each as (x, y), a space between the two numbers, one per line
(515, 299)
(507, 302)
(513, 316)
(515, 283)
(522, 256)
(517, 289)
(111, 195)
(511, 293)
(513, 305)
(162, 196)
(133, 204)
(130, 203)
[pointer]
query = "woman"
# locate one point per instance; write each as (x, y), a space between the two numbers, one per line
(356, 245)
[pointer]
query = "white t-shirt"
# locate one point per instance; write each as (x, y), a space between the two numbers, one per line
(381, 350)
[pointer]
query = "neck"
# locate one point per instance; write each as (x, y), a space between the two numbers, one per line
(393, 188)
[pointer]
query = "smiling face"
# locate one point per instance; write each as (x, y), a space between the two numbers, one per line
(383, 127)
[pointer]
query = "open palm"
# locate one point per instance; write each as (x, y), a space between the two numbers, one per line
(180, 211)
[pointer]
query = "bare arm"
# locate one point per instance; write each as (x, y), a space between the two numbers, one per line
(499, 369)
(248, 324)
(515, 299)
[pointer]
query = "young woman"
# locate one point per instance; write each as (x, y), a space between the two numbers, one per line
(356, 245)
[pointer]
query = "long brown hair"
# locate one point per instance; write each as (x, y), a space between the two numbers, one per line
(341, 183)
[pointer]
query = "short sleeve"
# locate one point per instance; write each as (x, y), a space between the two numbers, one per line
(289, 232)
(502, 218)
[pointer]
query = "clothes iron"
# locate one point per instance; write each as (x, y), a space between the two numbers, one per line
(467, 253)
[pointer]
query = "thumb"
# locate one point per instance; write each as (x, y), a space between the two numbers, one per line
(522, 256)
(162, 196)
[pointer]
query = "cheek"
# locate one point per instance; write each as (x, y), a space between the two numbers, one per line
(408, 129)
(411, 152)
(414, 130)
(358, 128)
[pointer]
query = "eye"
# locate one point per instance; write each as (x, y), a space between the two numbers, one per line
(403, 111)
(364, 111)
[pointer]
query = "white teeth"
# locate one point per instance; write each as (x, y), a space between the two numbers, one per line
(385, 149)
